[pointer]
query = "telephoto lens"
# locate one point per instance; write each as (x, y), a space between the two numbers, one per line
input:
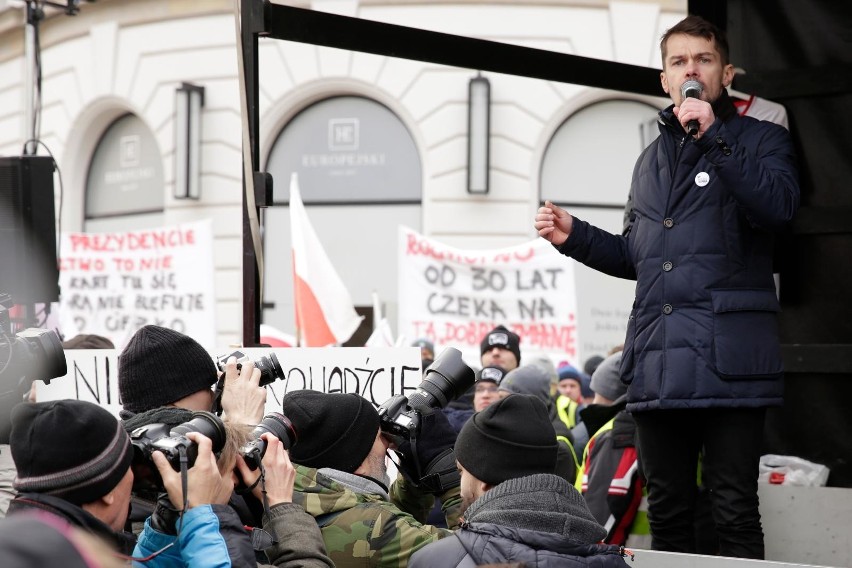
(270, 369)
(447, 378)
(278, 425)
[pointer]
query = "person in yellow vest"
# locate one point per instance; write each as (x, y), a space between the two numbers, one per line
(611, 478)
(572, 385)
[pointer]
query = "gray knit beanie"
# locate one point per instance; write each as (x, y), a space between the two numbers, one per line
(529, 379)
(607, 379)
(543, 503)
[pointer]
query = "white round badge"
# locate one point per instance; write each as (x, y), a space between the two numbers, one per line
(702, 179)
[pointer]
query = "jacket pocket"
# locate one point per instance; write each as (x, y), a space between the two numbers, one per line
(745, 334)
(627, 359)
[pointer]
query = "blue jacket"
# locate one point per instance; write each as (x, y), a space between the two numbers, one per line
(211, 536)
(703, 330)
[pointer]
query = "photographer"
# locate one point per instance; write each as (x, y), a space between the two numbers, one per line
(209, 532)
(342, 481)
(161, 369)
(164, 375)
(73, 461)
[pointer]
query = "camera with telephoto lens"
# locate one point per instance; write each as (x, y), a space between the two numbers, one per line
(270, 368)
(171, 441)
(275, 423)
(35, 354)
(444, 380)
(30, 355)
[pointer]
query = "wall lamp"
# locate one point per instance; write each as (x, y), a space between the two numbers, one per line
(189, 100)
(478, 134)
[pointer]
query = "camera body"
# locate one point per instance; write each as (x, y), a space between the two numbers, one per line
(275, 423)
(172, 442)
(270, 368)
(443, 381)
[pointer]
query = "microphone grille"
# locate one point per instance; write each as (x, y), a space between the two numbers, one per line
(691, 88)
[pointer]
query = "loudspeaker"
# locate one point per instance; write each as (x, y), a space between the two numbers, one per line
(29, 271)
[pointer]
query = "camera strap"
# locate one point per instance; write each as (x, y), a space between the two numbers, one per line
(261, 539)
(184, 485)
(217, 396)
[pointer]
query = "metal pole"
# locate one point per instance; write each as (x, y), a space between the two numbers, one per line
(30, 77)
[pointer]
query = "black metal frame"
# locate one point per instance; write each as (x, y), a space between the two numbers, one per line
(263, 19)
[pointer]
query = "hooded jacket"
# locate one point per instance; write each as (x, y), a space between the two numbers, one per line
(537, 521)
(703, 330)
(359, 524)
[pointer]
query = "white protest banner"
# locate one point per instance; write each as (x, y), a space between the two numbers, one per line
(114, 283)
(375, 373)
(454, 297)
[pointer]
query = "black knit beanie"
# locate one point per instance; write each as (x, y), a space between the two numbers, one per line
(71, 449)
(334, 430)
(159, 366)
(502, 337)
(511, 438)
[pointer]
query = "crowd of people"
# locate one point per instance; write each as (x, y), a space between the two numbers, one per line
(536, 465)
(168, 484)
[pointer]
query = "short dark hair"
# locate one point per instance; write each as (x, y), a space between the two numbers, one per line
(698, 27)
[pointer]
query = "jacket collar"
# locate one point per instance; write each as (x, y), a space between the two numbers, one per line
(74, 514)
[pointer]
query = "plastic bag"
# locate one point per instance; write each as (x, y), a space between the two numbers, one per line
(790, 470)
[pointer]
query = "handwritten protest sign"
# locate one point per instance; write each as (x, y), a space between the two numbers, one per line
(374, 373)
(114, 283)
(454, 297)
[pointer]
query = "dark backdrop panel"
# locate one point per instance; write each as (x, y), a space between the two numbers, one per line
(798, 53)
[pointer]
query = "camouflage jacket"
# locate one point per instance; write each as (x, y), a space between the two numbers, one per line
(359, 523)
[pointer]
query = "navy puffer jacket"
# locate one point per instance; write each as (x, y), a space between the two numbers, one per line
(703, 331)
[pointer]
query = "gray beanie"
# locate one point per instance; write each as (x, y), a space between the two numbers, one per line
(529, 379)
(607, 378)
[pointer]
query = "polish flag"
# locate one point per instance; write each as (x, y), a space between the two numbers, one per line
(325, 314)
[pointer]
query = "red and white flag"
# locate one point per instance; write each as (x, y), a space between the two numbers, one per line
(325, 314)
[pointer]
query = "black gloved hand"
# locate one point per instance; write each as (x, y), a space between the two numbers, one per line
(165, 516)
(428, 459)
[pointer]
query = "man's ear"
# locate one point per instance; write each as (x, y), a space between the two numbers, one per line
(109, 498)
(485, 487)
(664, 82)
(727, 75)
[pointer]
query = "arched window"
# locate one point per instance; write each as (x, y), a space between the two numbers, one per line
(586, 169)
(590, 158)
(360, 177)
(125, 183)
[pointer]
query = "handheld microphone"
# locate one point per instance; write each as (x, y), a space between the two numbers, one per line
(691, 89)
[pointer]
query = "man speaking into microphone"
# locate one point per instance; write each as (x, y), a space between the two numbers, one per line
(702, 353)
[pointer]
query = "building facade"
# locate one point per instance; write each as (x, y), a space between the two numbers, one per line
(376, 141)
